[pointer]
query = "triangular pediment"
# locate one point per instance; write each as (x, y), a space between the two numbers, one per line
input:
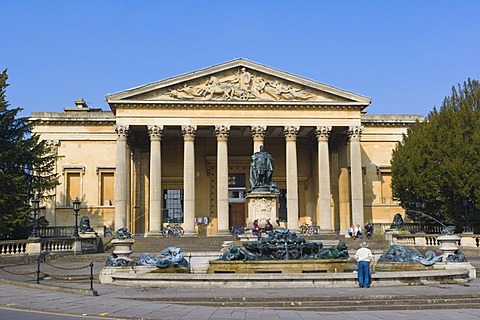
(238, 80)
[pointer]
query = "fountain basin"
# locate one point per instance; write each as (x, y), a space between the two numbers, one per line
(283, 266)
(281, 281)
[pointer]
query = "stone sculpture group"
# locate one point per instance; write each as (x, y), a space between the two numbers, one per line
(170, 256)
(282, 244)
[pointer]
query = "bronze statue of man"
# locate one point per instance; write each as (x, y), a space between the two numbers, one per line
(261, 172)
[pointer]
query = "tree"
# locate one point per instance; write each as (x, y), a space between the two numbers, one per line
(26, 168)
(437, 161)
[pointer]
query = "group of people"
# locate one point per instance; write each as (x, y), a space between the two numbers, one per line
(356, 231)
(257, 231)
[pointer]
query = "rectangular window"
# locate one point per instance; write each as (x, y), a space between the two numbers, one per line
(173, 206)
(73, 187)
(236, 180)
(107, 190)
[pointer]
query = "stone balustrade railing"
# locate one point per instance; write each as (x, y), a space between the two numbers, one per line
(58, 245)
(410, 227)
(13, 247)
(29, 246)
(56, 232)
(427, 240)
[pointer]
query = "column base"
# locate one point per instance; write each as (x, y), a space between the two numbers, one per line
(223, 232)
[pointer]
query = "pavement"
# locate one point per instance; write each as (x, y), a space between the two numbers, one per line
(67, 291)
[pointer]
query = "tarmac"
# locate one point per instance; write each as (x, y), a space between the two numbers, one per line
(67, 291)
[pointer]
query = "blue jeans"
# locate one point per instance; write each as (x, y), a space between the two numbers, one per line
(364, 274)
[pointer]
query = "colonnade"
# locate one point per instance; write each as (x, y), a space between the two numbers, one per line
(323, 210)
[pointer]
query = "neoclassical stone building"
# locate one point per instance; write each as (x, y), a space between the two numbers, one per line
(179, 150)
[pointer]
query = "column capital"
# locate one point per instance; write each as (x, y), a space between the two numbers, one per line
(323, 132)
(258, 132)
(291, 132)
(189, 132)
(122, 132)
(155, 132)
(222, 132)
(354, 133)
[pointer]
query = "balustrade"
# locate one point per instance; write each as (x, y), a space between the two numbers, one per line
(13, 247)
(57, 245)
(56, 232)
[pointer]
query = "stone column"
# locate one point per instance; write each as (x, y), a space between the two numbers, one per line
(258, 134)
(121, 174)
(356, 180)
(156, 196)
(323, 209)
(222, 133)
(189, 133)
(290, 134)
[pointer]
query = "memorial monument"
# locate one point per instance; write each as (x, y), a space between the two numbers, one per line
(262, 197)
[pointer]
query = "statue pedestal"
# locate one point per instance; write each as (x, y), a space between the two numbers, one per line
(389, 235)
(123, 248)
(90, 242)
(448, 244)
(262, 206)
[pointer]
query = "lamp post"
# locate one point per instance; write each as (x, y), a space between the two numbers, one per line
(466, 204)
(419, 206)
(76, 207)
(35, 208)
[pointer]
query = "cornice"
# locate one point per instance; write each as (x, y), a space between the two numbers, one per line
(77, 118)
(83, 122)
(391, 120)
(250, 105)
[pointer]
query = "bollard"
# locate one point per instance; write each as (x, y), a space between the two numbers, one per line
(189, 263)
(38, 269)
(40, 259)
(91, 275)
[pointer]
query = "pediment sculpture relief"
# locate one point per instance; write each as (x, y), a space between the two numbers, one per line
(242, 85)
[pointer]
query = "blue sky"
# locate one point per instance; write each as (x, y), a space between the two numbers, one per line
(405, 55)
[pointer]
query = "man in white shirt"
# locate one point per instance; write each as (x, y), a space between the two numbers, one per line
(364, 256)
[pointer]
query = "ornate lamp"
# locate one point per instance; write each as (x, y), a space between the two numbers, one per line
(76, 207)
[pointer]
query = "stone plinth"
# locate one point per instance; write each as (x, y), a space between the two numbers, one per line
(262, 206)
(90, 241)
(448, 244)
(123, 248)
(389, 235)
(34, 246)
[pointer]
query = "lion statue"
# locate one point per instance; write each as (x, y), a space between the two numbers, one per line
(85, 225)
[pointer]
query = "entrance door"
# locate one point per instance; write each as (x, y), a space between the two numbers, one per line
(237, 214)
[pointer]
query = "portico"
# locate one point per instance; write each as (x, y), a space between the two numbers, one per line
(219, 119)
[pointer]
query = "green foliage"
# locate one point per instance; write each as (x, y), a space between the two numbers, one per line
(438, 160)
(26, 167)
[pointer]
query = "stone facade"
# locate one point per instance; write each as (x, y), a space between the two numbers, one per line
(181, 147)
